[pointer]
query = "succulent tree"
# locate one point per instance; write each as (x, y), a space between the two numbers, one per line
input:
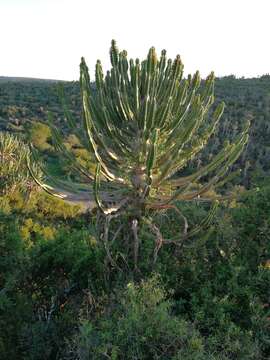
(143, 122)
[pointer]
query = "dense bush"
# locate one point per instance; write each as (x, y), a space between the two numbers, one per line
(138, 324)
(60, 299)
(39, 135)
(14, 173)
(42, 284)
(220, 280)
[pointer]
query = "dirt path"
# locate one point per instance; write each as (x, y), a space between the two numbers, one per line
(82, 198)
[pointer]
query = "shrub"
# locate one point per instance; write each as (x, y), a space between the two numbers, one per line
(139, 325)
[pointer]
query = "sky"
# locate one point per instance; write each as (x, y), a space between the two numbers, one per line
(46, 38)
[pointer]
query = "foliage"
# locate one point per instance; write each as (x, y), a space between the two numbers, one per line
(140, 327)
(14, 309)
(13, 169)
(37, 285)
(39, 205)
(40, 135)
(220, 282)
(217, 308)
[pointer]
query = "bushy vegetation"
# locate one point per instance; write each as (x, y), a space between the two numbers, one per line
(14, 174)
(60, 298)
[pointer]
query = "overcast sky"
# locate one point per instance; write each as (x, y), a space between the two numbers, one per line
(46, 38)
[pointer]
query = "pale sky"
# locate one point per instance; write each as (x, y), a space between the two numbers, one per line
(46, 38)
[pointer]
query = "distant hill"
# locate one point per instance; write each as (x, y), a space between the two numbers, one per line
(5, 79)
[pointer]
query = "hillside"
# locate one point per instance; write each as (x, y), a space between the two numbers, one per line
(24, 101)
(7, 79)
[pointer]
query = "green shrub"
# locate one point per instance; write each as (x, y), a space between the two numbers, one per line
(220, 280)
(139, 324)
(39, 135)
(14, 308)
